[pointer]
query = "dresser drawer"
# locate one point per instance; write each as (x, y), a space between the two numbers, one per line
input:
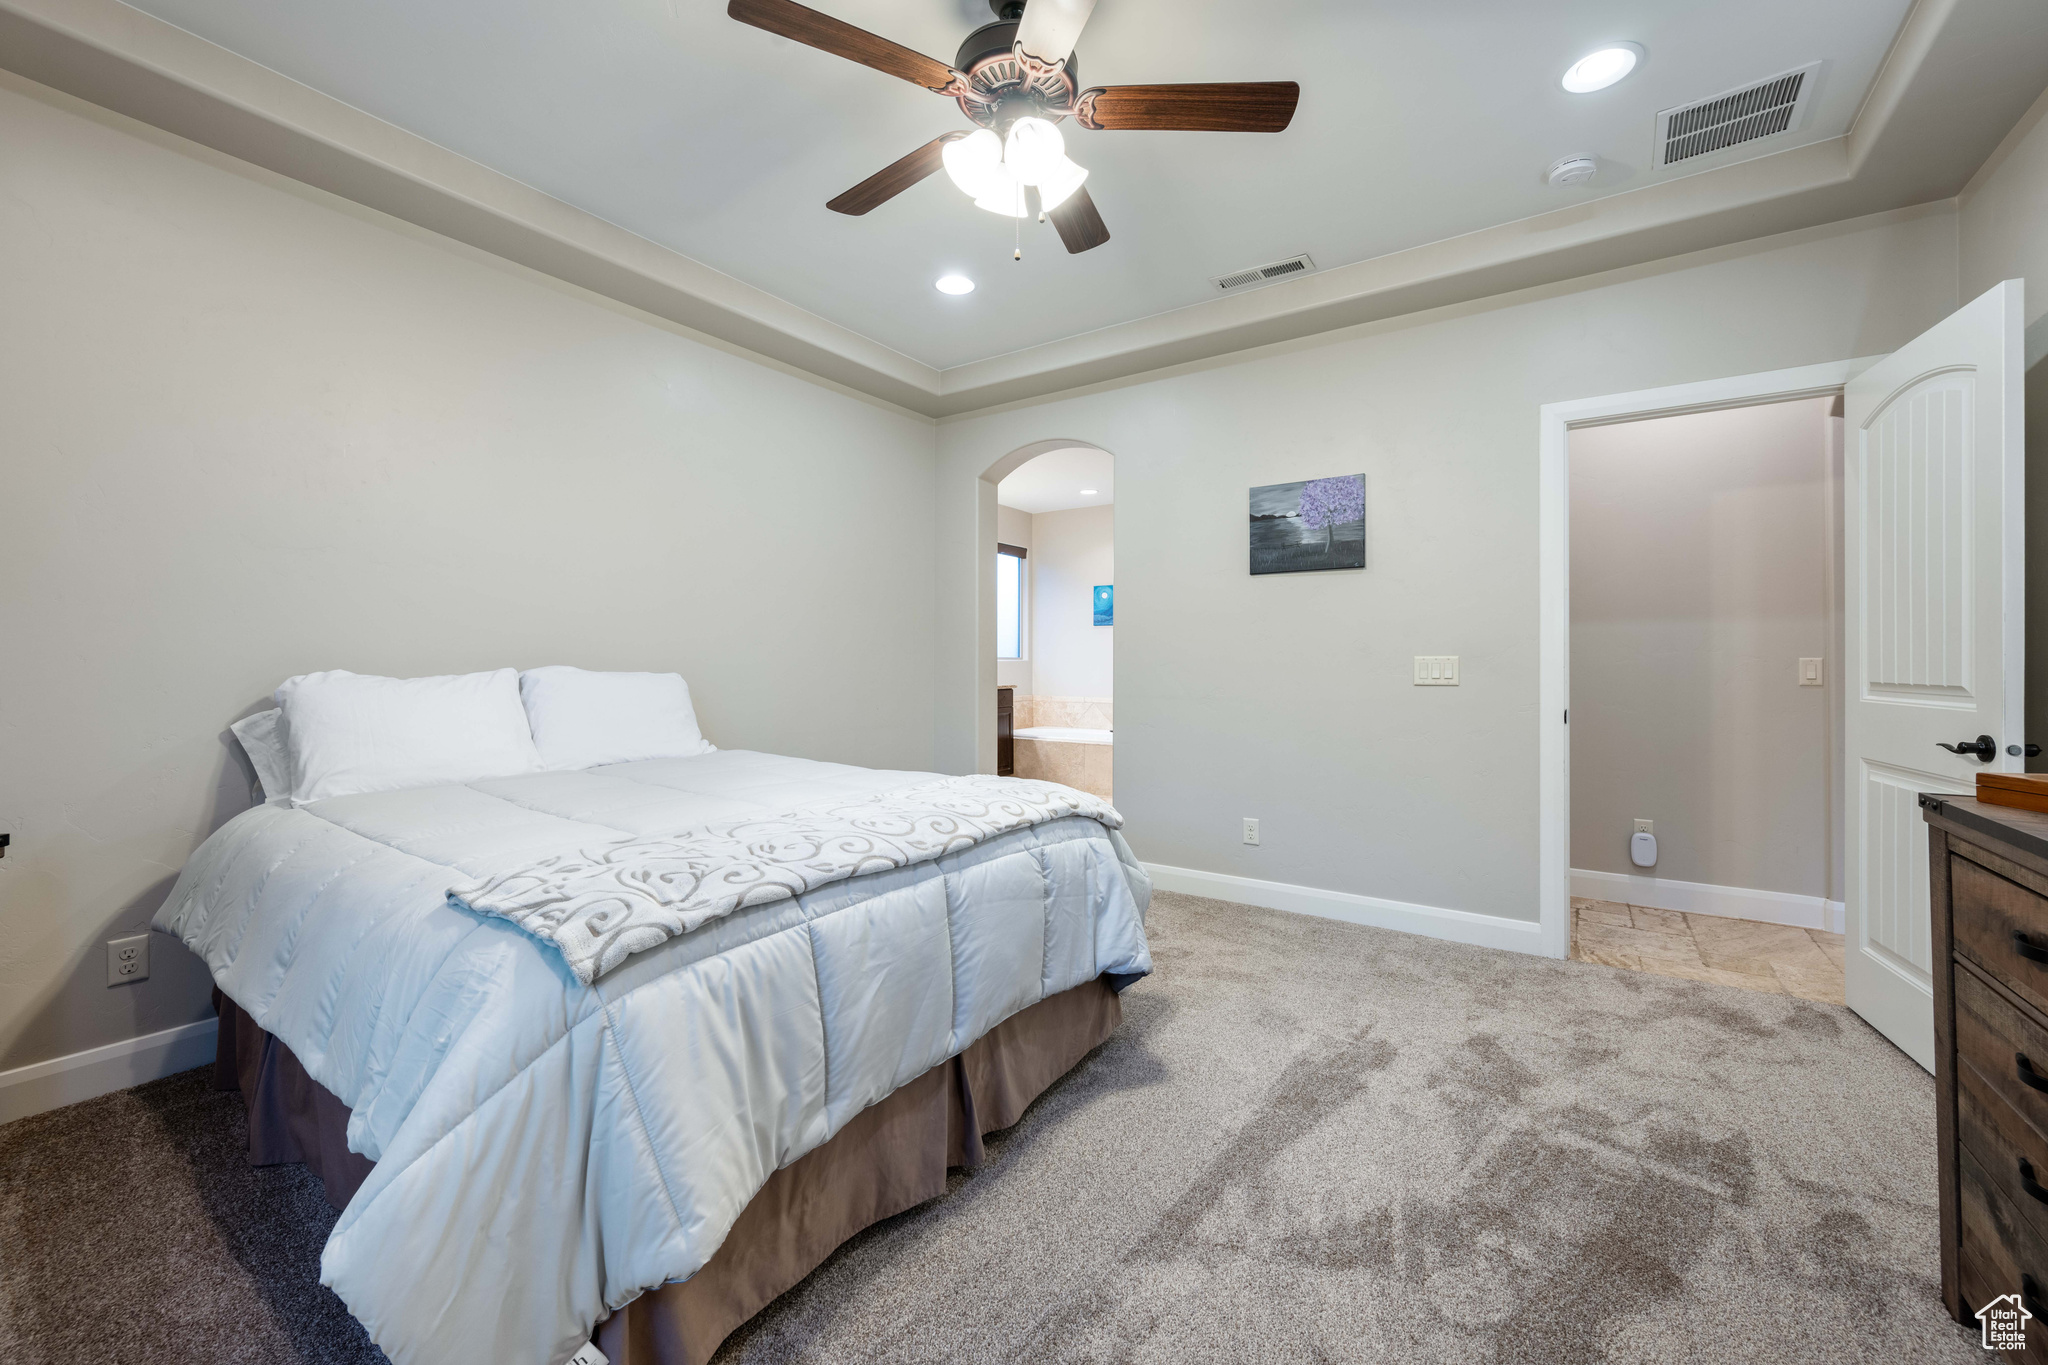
(1980, 1286)
(1993, 1037)
(2000, 1253)
(2008, 1150)
(1997, 924)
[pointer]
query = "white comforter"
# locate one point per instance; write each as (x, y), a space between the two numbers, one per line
(547, 1151)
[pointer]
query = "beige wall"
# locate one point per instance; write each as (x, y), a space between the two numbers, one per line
(1699, 578)
(1014, 528)
(1072, 551)
(246, 432)
(2004, 235)
(2003, 219)
(1300, 685)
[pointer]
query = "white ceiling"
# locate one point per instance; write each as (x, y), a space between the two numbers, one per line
(1419, 121)
(1053, 481)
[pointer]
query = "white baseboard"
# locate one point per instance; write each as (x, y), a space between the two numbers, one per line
(102, 1070)
(1459, 926)
(1702, 898)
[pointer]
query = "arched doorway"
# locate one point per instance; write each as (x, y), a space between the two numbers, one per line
(1047, 614)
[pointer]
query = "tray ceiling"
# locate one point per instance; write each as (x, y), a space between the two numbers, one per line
(1419, 122)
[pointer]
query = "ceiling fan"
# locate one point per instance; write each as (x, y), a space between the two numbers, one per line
(1015, 79)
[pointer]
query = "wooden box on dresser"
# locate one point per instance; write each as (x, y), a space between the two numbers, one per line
(1988, 871)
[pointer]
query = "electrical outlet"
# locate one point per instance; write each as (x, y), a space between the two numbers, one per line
(1251, 830)
(127, 959)
(1436, 670)
(1645, 827)
(1810, 673)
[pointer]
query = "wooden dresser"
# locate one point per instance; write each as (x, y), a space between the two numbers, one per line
(1989, 874)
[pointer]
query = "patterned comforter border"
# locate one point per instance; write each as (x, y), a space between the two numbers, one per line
(601, 905)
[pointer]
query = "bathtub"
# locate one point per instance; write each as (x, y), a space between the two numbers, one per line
(1067, 754)
(1066, 734)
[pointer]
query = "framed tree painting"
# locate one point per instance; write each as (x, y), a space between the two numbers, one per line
(1315, 524)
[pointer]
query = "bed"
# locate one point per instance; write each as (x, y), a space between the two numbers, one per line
(534, 1147)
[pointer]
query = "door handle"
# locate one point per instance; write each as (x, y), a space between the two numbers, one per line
(1983, 747)
(2031, 751)
(2028, 1076)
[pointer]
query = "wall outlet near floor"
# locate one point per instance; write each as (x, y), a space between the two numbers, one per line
(1436, 670)
(1810, 673)
(1644, 827)
(1251, 830)
(127, 959)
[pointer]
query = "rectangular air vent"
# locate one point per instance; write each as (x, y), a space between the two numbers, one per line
(1762, 110)
(1261, 274)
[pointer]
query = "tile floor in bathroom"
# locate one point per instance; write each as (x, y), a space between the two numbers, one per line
(1733, 952)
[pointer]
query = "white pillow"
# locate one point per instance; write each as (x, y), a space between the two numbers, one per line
(349, 733)
(262, 737)
(582, 719)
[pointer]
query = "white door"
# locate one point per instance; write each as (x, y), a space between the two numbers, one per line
(1935, 560)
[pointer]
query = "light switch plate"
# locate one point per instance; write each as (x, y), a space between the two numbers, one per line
(1810, 673)
(127, 959)
(1436, 670)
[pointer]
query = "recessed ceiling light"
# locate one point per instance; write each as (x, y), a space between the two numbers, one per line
(955, 284)
(1598, 70)
(1087, 492)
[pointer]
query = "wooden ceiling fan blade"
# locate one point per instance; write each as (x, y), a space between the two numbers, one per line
(893, 179)
(1238, 107)
(1050, 28)
(788, 19)
(1079, 222)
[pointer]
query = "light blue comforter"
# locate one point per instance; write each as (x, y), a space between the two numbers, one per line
(547, 1151)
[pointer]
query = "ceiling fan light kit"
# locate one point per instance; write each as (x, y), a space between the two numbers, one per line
(1015, 79)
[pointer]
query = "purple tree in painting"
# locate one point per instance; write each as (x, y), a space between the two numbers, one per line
(1329, 503)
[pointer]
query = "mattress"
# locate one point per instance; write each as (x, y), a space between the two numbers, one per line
(547, 1151)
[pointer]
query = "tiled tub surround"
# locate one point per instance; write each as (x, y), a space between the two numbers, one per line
(1077, 713)
(1084, 763)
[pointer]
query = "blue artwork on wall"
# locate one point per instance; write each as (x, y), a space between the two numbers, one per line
(1105, 604)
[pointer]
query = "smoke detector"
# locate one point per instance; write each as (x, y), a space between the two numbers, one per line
(1573, 170)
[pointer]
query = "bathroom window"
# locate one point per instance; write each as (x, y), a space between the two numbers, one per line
(1009, 602)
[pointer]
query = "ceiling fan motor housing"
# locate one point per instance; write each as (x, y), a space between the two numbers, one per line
(1001, 88)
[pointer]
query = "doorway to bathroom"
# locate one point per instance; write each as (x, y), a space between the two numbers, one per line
(1056, 619)
(1705, 726)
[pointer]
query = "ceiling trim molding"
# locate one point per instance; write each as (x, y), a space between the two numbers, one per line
(121, 59)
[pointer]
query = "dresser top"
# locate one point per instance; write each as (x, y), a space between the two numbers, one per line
(2026, 830)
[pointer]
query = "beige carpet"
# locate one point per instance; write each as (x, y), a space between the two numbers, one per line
(1309, 1142)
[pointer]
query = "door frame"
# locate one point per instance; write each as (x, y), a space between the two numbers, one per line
(1553, 587)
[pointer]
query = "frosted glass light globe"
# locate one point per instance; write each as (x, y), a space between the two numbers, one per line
(1034, 150)
(975, 162)
(1057, 188)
